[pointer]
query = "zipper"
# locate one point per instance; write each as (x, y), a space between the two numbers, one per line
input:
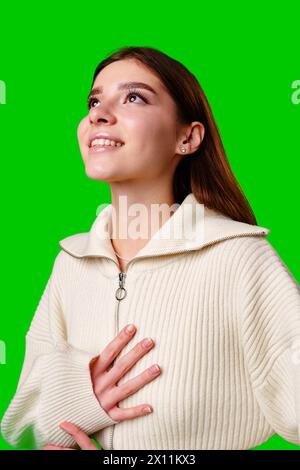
(120, 294)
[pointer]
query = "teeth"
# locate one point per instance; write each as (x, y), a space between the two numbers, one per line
(105, 142)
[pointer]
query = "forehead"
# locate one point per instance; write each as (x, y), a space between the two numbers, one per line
(128, 70)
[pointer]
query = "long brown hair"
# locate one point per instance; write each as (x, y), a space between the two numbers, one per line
(207, 172)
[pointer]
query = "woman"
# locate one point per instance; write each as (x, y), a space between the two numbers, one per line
(220, 306)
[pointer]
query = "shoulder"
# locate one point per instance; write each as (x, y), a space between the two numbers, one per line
(262, 263)
(246, 253)
(65, 265)
(268, 291)
(76, 245)
(250, 243)
(254, 255)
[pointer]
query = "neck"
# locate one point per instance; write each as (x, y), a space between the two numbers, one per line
(136, 218)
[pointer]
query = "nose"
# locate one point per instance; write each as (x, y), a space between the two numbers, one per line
(97, 115)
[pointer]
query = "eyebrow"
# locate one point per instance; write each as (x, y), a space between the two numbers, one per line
(124, 86)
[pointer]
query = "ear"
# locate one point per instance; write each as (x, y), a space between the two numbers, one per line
(192, 139)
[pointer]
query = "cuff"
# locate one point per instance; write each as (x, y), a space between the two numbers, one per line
(67, 395)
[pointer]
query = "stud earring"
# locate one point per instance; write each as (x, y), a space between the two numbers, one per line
(183, 149)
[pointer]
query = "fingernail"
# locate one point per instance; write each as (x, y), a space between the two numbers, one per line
(147, 409)
(154, 369)
(130, 328)
(147, 342)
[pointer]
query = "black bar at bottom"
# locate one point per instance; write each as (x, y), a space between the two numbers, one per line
(136, 458)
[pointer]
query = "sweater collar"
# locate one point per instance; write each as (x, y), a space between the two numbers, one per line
(191, 227)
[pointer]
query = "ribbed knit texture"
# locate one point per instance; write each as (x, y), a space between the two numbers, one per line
(225, 319)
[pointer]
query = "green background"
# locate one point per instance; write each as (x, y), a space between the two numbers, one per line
(245, 57)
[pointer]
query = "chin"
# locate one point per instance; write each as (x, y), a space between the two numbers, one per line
(99, 174)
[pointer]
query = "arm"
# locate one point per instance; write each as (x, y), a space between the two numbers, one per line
(279, 396)
(55, 383)
(271, 337)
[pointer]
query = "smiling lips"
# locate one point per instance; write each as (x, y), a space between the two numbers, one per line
(104, 138)
(97, 145)
(105, 142)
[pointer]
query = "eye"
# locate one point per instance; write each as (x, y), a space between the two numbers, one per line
(131, 93)
(90, 101)
(136, 93)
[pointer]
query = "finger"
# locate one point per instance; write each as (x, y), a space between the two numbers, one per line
(126, 362)
(121, 414)
(133, 385)
(80, 437)
(110, 352)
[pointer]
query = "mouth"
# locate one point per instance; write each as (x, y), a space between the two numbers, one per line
(104, 141)
(104, 148)
(102, 145)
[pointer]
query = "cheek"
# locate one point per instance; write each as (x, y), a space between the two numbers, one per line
(158, 135)
(82, 129)
(155, 130)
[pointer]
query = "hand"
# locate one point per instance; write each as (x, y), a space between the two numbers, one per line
(79, 436)
(104, 380)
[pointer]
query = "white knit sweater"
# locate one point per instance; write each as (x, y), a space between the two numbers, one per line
(224, 312)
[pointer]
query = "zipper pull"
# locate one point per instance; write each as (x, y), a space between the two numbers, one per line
(121, 291)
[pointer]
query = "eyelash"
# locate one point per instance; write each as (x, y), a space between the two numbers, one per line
(131, 92)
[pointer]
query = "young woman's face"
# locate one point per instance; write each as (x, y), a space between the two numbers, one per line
(147, 126)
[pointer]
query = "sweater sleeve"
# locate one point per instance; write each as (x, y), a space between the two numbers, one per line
(271, 337)
(55, 383)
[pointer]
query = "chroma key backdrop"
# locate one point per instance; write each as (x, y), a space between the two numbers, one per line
(246, 58)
